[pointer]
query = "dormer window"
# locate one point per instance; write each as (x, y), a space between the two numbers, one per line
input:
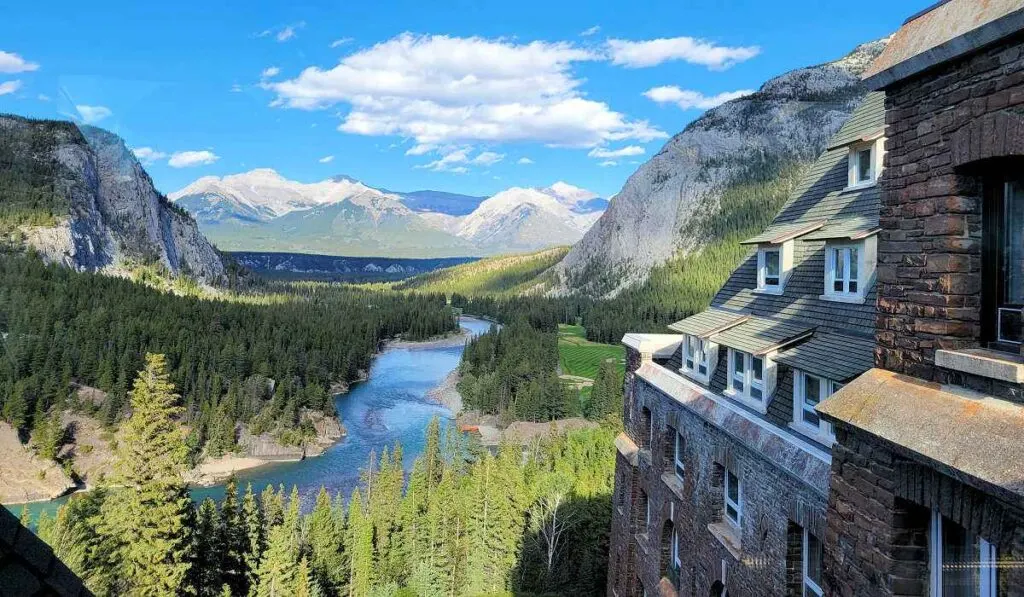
(695, 357)
(773, 265)
(747, 375)
(808, 391)
(865, 163)
(769, 269)
(844, 269)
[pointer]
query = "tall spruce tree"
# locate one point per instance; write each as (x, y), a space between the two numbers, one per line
(255, 538)
(235, 540)
(145, 520)
(360, 544)
(207, 564)
(326, 541)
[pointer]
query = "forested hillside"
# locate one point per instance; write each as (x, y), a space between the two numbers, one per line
(257, 358)
(533, 522)
(506, 274)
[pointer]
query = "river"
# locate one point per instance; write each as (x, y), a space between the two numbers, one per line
(390, 406)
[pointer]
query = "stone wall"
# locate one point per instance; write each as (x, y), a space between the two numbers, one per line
(774, 502)
(939, 127)
(878, 516)
(28, 566)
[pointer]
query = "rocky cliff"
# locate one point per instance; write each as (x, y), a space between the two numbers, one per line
(80, 198)
(788, 121)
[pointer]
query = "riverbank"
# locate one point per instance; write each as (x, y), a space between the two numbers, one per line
(447, 394)
(449, 341)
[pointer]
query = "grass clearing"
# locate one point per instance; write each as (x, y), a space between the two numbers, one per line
(581, 357)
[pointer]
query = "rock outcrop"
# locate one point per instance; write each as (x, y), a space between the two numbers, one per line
(25, 477)
(114, 216)
(789, 120)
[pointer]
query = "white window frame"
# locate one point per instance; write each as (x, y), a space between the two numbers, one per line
(676, 560)
(698, 359)
(747, 379)
(810, 588)
(738, 504)
(823, 431)
(987, 560)
(678, 454)
(762, 270)
(830, 271)
(877, 150)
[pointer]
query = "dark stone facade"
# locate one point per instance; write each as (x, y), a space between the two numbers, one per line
(941, 126)
(28, 566)
(945, 128)
(774, 504)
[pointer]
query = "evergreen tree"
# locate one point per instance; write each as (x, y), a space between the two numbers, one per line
(327, 545)
(235, 540)
(146, 520)
(360, 544)
(278, 567)
(255, 538)
(207, 565)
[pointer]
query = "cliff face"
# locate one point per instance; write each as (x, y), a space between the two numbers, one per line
(788, 121)
(106, 212)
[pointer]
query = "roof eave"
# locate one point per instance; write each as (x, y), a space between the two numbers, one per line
(961, 45)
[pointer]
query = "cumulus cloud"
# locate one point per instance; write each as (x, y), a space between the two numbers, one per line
(487, 158)
(590, 31)
(13, 63)
(9, 87)
(327, 159)
(43, 97)
(93, 114)
(688, 99)
(607, 163)
(524, 161)
(269, 72)
(186, 159)
(641, 54)
(340, 42)
(441, 90)
(148, 155)
(604, 152)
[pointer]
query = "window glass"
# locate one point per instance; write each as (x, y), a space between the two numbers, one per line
(851, 254)
(1014, 235)
(864, 165)
(813, 571)
(691, 350)
(839, 268)
(732, 497)
(737, 371)
(680, 467)
(812, 395)
(772, 267)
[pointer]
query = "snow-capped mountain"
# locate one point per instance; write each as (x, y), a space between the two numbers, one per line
(261, 210)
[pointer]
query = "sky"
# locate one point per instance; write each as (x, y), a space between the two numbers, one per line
(460, 96)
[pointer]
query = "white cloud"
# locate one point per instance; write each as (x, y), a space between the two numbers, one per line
(688, 99)
(524, 161)
(420, 149)
(43, 97)
(93, 114)
(603, 152)
(608, 163)
(236, 88)
(640, 54)
(457, 159)
(441, 90)
(9, 87)
(13, 63)
(487, 158)
(148, 155)
(340, 42)
(269, 72)
(327, 159)
(186, 159)
(283, 33)
(590, 31)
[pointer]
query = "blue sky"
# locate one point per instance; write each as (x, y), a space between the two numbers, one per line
(408, 95)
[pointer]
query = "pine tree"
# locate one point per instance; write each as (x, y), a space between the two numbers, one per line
(360, 543)
(146, 521)
(278, 567)
(255, 538)
(235, 539)
(207, 565)
(326, 542)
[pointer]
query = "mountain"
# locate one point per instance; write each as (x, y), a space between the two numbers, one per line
(79, 197)
(261, 210)
(309, 266)
(665, 208)
(452, 204)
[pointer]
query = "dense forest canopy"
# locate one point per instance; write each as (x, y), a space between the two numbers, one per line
(462, 522)
(256, 358)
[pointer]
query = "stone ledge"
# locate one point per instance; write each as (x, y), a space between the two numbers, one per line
(674, 484)
(728, 536)
(986, 363)
(627, 448)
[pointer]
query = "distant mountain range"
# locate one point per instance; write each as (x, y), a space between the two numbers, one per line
(260, 210)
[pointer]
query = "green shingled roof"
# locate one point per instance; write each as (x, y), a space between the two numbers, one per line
(760, 335)
(780, 233)
(851, 228)
(707, 323)
(867, 122)
(838, 357)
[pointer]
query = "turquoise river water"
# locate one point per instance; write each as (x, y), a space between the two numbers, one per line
(390, 406)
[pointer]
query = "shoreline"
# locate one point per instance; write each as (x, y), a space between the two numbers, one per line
(447, 394)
